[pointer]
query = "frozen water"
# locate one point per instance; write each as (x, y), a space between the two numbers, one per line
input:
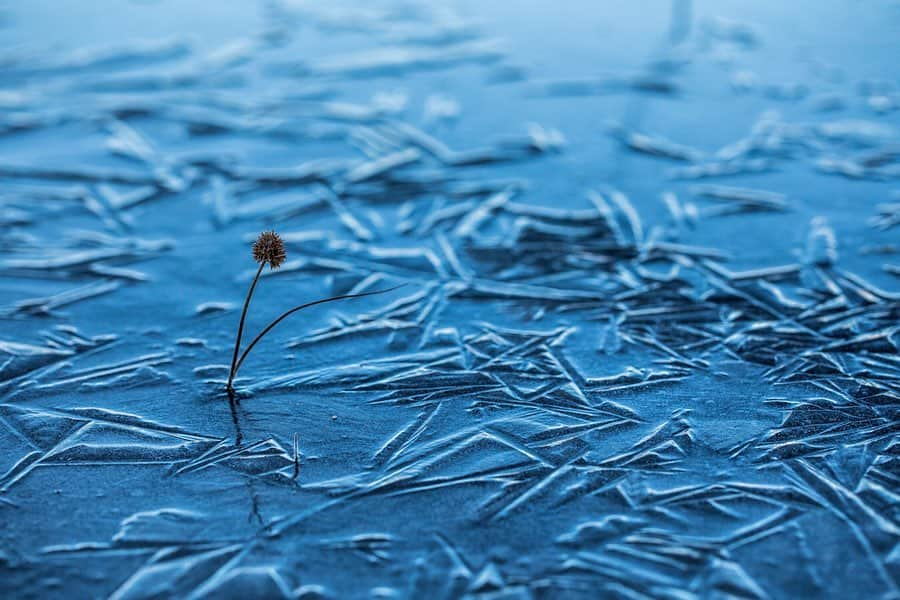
(647, 341)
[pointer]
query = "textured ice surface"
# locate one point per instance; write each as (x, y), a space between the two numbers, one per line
(647, 345)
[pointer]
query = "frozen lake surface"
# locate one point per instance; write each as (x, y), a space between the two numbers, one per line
(647, 345)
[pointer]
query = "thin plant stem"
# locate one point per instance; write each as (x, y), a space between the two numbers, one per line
(240, 333)
(301, 307)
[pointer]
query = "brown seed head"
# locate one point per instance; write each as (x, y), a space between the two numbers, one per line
(268, 248)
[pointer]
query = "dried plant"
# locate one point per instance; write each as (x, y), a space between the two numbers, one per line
(269, 250)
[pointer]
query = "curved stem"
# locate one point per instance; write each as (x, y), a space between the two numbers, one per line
(240, 333)
(301, 307)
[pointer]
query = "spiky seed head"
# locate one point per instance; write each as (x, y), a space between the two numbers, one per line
(268, 248)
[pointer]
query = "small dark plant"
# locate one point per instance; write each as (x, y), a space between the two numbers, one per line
(269, 250)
